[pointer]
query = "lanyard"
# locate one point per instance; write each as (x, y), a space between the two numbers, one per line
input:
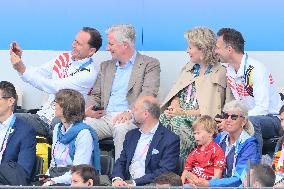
(81, 67)
(9, 130)
(64, 154)
(196, 73)
(238, 142)
(245, 67)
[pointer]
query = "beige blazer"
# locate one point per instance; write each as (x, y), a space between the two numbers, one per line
(211, 89)
(144, 80)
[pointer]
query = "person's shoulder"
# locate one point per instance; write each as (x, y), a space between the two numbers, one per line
(251, 141)
(217, 147)
(147, 59)
(106, 62)
(257, 65)
(132, 132)
(23, 126)
(63, 57)
(167, 132)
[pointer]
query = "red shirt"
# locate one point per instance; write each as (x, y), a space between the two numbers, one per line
(203, 163)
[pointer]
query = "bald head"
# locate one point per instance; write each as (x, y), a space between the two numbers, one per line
(149, 99)
(149, 103)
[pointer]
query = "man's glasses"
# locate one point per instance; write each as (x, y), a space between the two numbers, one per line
(233, 116)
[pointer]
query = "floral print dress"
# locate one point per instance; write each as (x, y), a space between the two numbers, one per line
(182, 125)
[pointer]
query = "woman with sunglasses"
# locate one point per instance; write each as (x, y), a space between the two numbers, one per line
(238, 144)
(74, 142)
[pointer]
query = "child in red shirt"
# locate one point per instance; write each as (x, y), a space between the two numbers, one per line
(207, 160)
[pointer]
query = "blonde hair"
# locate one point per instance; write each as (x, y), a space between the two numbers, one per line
(205, 40)
(207, 123)
(238, 105)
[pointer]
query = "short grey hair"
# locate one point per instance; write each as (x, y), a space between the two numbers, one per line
(153, 108)
(239, 105)
(236, 105)
(123, 33)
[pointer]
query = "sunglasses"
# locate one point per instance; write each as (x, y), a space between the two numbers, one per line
(233, 116)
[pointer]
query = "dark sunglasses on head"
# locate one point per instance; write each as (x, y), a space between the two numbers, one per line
(233, 116)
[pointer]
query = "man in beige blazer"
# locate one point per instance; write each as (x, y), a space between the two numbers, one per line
(120, 82)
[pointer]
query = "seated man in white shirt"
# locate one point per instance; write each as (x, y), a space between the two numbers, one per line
(75, 70)
(149, 150)
(251, 82)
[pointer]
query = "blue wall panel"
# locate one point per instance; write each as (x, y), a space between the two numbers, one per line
(52, 24)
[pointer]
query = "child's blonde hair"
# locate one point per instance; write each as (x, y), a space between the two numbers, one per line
(207, 123)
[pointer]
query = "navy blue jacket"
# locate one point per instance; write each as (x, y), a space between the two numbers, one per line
(164, 141)
(21, 146)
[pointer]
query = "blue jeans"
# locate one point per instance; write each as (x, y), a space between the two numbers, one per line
(265, 126)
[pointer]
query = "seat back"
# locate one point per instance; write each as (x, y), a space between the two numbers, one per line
(107, 145)
(107, 163)
(180, 166)
(38, 167)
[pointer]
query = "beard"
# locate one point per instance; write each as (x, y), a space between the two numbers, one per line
(137, 123)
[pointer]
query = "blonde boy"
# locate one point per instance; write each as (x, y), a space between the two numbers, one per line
(207, 160)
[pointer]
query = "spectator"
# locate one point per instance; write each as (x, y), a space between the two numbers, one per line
(251, 82)
(17, 138)
(238, 144)
(167, 179)
(278, 158)
(201, 88)
(261, 176)
(74, 142)
(207, 160)
(149, 150)
(84, 176)
(120, 82)
(75, 70)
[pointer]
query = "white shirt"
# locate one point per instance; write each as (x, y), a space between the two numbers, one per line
(61, 73)
(3, 130)
(137, 166)
(60, 153)
(261, 95)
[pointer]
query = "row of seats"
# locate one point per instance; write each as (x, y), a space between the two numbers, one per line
(107, 163)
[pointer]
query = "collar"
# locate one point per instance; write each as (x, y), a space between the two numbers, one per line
(208, 147)
(242, 138)
(131, 60)
(63, 129)
(152, 131)
(190, 66)
(79, 62)
(7, 122)
(240, 72)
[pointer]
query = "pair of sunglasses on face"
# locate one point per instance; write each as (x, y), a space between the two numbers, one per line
(233, 116)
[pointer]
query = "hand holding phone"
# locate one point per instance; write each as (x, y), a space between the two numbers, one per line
(16, 49)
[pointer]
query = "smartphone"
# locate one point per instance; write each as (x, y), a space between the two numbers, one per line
(13, 47)
(96, 108)
(41, 176)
